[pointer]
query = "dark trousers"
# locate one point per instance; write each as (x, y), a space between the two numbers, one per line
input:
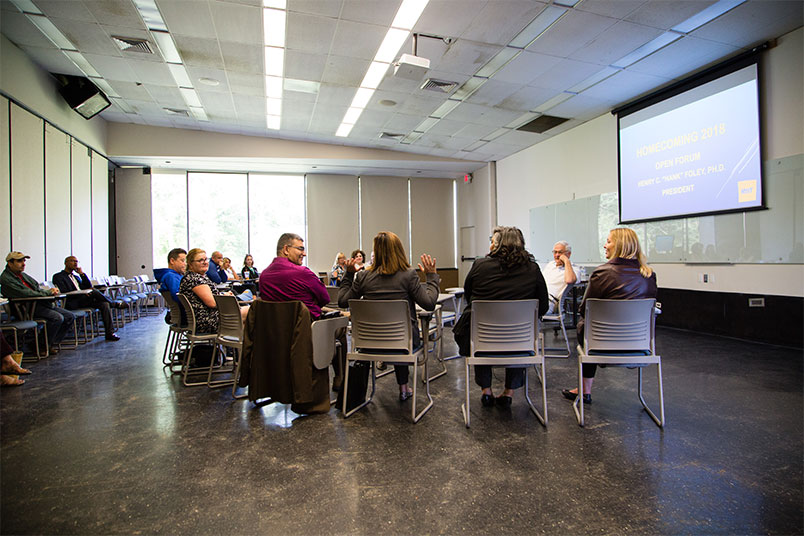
(588, 370)
(95, 300)
(59, 322)
(514, 377)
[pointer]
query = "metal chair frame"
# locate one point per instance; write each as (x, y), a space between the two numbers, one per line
(615, 332)
(559, 318)
(382, 331)
(324, 342)
(173, 354)
(506, 333)
(230, 335)
(191, 337)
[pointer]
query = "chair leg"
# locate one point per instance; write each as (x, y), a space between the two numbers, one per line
(577, 405)
(239, 359)
(541, 377)
(224, 370)
(346, 389)
(413, 414)
(187, 368)
(659, 421)
(465, 405)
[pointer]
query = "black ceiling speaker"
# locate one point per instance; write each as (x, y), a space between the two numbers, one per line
(82, 95)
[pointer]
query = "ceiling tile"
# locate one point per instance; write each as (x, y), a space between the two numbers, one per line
(248, 104)
(301, 26)
(328, 8)
(65, 10)
(448, 18)
(196, 73)
(402, 123)
(474, 131)
(421, 105)
(374, 118)
(112, 68)
(149, 72)
(167, 96)
(571, 32)
(667, 13)
(130, 90)
(498, 22)
(22, 32)
(566, 74)
(237, 23)
(88, 37)
(298, 97)
(527, 98)
(484, 115)
(201, 52)
(583, 107)
(246, 83)
(188, 18)
(683, 57)
(464, 57)
(526, 67)
(336, 96)
(304, 66)
(52, 60)
(343, 71)
(616, 9)
(519, 138)
(616, 42)
(447, 127)
(219, 105)
(624, 86)
(752, 22)
(243, 58)
(371, 11)
(493, 92)
(296, 115)
(359, 40)
(114, 13)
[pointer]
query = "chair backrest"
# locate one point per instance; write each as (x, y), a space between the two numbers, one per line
(619, 325)
(190, 314)
(324, 339)
(231, 323)
(333, 296)
(175, 309)
(504, 326)
(381, 325)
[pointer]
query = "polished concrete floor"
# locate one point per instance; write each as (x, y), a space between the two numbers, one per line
(102, 440)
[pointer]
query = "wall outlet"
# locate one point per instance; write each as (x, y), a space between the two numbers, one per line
(756, 302)
(706, 278)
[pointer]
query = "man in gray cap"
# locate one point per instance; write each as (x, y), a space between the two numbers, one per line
(17, 284)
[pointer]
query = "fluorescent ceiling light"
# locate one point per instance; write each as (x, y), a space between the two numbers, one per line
(409, 13)
(273, 87)
(707, 15)
(468, 88)
(344, 130)
(647, 49)
(594, 79)
(105, 87)
(412, 137)
(180, 75)
(273, 27)
(374, 75)
(362, 97)
(302, 86)
(277, 4)
(274, 61)
(352, 115)
(26, 6)
(393, 41)
(558, 99)
(537, 27)
(81, 62)
(166, 46)
(199, 113)
(273, 106)
(445, 108)
(474, 146)
(51, 32)
(427, 124)
(190, 97)
(273, 122)
(150, 15)
(496, 134)
(499, 61)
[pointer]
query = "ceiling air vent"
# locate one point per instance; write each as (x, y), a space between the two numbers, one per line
(177, 111)
(132, 44)
(543, 123)
(442, 86)
(391, 136)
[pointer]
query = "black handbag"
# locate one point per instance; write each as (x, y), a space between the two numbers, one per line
(358, 384)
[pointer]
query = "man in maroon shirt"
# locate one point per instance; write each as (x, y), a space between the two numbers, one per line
(285, 279)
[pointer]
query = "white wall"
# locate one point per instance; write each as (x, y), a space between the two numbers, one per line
(583, 162)
(477, 215)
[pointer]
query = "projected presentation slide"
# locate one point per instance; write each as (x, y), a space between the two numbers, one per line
(681, 158)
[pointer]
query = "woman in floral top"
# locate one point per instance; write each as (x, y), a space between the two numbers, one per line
(199, 290)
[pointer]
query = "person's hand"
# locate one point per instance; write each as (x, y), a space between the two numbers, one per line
(55, 291)
(228, 293)
(350, 265)
(79, 270)
(428, 264)
(563, 259)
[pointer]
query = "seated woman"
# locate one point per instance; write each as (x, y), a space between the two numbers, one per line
(392, 278)
(199, 290)
(360, 259)
(626, 276)
(508, 272)
(229, 269)
(248, 271)
(338, 269)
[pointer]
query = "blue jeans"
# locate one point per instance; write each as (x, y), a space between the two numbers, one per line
(59, 322)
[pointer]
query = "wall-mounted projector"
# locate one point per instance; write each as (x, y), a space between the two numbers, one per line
(411, 67)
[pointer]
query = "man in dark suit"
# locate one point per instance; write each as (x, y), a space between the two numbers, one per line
(73, 278)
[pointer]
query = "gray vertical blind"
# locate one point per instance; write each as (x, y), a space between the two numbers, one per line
(384, 206)
(332, 218)
(57, 201)
(433, 220)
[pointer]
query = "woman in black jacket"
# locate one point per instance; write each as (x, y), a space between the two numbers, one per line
(508, 272)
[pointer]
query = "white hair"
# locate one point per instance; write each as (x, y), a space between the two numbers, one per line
(566, 245)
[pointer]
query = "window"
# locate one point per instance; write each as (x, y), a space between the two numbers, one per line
(168, 214)
(218, 213)
(277, 206)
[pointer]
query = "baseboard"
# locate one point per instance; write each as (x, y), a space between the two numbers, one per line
(779, 321)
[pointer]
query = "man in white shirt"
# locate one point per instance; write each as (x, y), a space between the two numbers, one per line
(559, 273)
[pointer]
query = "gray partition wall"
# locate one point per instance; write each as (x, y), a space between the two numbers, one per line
(775, 235)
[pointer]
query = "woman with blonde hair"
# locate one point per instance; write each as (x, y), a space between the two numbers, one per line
(338, 270)
(390, 277)
(626, 276)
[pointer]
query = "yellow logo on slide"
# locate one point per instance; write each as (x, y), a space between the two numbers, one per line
(746, 191)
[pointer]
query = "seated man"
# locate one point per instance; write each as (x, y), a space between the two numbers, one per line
(16, 284)
(558, 274)
(73, 278)
(285, 279)
(170, 277)
(215, 270)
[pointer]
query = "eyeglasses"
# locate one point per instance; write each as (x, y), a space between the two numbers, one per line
(559, 252)
(300, 248)
(201, 261)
